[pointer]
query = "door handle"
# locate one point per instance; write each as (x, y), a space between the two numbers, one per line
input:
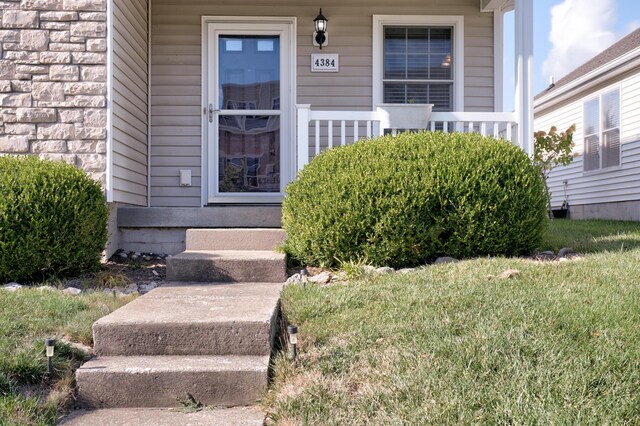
(211, 110)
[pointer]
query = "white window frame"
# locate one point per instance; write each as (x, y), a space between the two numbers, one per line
(457, 22)
(601, 130)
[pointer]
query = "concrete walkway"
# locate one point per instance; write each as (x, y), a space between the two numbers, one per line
(208, 342)
(240, 416)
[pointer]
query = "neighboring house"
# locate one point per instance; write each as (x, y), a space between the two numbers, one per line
(602, 97)
(197, 113)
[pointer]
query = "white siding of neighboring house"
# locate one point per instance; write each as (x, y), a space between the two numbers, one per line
(176, 70)
(608, 185)
(130, 100)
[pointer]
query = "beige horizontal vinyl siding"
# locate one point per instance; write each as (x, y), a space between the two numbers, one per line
(176, 70)
(130, 102)
(607, 185)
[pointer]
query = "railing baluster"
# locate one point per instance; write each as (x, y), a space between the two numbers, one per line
(317, 137)
(445, 127)
(483, 128)
(368, 129)
(496, 129)
(509, 132)
(355, 130)
(330, 133)
(470, 126)
(343, 133)
(433, 126)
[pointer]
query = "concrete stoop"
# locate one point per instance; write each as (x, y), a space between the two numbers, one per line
(227, 266)
(229, 255)
(208, 340)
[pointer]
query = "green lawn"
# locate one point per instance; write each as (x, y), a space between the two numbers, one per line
(27, 317)
(451, 344)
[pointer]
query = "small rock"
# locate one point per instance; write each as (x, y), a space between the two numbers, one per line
(548, 253)
(147, 258)
(72, 291)
(406, 270)
(131, 288)
(509, 273)
(118, 290)
(446, 259)
(565, 252)
(123, 255)
(84, 350)
(46, 288)
(134, 256)
(322, 278)
(12, 286)
(294, 279)
(155, 273)
(145, 288)
(385, 270)
(368, 269)
(340, 276)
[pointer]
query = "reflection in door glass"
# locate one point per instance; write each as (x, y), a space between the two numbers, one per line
(249, 153)
(249, 72)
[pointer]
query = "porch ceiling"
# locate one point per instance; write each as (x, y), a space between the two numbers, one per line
(491, 5)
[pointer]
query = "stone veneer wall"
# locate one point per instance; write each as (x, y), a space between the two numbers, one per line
(53, 81)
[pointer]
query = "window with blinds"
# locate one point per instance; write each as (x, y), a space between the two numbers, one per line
(602, 131)
(418, 66)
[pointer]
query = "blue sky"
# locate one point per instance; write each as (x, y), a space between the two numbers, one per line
(567, 34)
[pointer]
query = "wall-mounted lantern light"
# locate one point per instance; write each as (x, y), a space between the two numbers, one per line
(320, 34)
(292, 330)
(50, 345)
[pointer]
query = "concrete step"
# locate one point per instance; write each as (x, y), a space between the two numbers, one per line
(234, 239)
(193, 319)
(227, 266)
(162, 381)
(238, 416)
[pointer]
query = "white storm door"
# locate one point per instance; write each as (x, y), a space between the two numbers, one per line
(250, 111)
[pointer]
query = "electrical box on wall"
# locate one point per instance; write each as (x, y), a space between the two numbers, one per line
(185, 177)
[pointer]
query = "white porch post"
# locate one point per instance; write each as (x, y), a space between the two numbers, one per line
(302, 112)
(524, 73)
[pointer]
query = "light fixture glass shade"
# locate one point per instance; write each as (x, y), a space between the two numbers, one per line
(50, 345)
(293, 334)
(320, 23)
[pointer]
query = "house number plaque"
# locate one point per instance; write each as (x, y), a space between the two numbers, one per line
(325, 62)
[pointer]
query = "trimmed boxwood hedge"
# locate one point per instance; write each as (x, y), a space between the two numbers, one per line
(405, 200)
(53, 220)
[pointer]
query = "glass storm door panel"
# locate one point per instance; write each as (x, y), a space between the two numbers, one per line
(249, 118)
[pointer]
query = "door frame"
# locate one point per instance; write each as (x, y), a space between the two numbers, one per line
(287, 136)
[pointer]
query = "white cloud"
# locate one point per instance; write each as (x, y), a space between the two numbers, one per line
(631, 26)
(580, 29)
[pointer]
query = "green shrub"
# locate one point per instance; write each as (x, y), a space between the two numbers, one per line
(406, 200)
(52, 220)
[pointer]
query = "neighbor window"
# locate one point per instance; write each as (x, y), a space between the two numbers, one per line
(418, 65)
(602, 131)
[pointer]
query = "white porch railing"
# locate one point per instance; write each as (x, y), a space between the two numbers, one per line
(320, 130)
